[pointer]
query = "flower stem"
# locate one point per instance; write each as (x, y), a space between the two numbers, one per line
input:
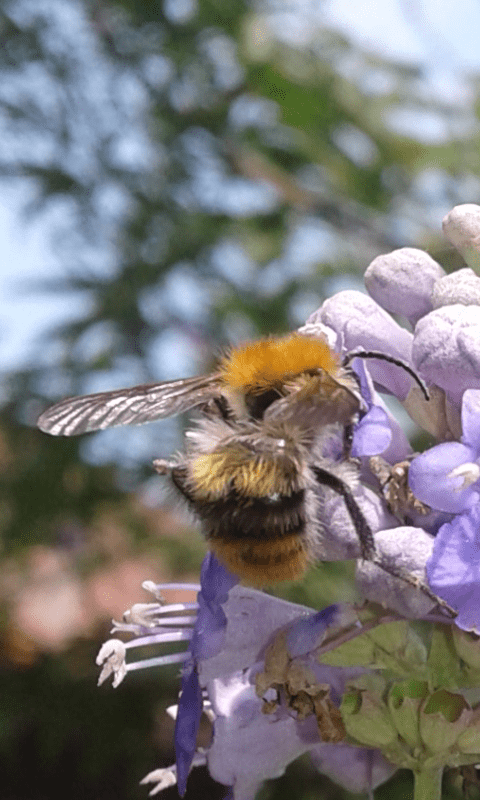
(428, 784)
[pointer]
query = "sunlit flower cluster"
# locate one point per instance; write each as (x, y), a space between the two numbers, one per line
(278, 680)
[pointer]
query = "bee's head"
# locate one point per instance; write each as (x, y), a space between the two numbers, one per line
(256, 374)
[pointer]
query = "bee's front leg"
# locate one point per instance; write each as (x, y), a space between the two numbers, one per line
(177, 473)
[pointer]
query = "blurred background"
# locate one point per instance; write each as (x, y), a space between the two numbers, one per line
(177, 176)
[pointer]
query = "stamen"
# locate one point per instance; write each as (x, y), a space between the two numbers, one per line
(140, 613)
(178, 621)
(111, 658)
(167, 776)
(177, 607)
(150, 624)
(156, 588)
(161, 638)
(154, 617)
(469, 472)
(158, 661)
(164, 778)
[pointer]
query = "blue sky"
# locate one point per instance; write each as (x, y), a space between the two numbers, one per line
(25, 255)
(443, 33)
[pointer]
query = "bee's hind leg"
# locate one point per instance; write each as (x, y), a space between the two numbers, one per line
(367, 543)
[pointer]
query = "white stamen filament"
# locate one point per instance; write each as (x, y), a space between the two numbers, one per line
(161, 638)
(157, 588)
(159, 661)
(177, 607)
(469, 472)
(154, 617)
(140, 612)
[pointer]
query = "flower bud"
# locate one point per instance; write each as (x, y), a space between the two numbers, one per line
(461, 226)
(366, 716)
(404, 702)
(443, 717)
(467, 646)
(462, 287)
(469, 740)
(402, 282)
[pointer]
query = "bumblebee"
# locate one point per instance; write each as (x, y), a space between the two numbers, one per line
(255, 459)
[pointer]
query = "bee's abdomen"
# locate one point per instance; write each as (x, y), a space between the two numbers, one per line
(261, 539)
(253, 518)
(260, 563)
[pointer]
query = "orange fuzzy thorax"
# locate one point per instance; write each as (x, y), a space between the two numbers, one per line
(268, 362)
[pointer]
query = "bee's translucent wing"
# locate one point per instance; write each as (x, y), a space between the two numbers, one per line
(145, 403)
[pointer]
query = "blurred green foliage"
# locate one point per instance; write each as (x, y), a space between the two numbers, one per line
(209, 178)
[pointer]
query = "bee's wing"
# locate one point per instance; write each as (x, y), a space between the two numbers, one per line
(145, 403)
(317, 400)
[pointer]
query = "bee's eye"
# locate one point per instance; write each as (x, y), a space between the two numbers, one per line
(258, 403)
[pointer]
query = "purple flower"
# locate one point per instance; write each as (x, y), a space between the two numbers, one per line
(353, 322)
(258, 666)
(152, 624)
(248, 745)
(209, 630)
(454, 567)
(372, 434)
(207, 640)
(190, 707)
(357, 769)
(447, 477)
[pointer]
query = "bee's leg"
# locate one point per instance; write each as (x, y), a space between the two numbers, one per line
(217, 407)
(363, 529)
(177, 474)
(162, 466)
(367, 542)
(223, 408)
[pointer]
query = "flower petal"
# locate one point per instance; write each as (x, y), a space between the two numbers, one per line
(252, 618)
(433, 480)
(249, 746)
(209, 631)
(356, 769)
(454, 567)
(471, 419)
(190, 706)
(372, 434)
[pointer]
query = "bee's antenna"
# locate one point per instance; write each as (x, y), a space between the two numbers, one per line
(384, 357)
